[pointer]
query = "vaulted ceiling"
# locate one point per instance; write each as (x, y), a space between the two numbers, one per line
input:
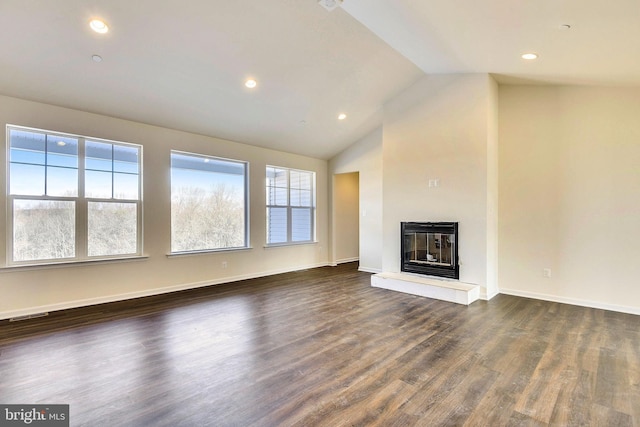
(183, 65)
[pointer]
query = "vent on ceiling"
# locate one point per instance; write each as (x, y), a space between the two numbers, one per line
(329, 4)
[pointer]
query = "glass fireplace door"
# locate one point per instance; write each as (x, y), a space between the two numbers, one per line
(430, 248)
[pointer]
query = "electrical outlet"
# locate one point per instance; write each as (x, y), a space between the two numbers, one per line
(224, 264)
(546, 272)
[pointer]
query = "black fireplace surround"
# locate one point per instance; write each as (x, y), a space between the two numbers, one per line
(430, 248)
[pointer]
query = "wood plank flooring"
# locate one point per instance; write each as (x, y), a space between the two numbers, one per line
(323, 348)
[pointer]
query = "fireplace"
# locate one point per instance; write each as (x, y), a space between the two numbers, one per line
(430, 248)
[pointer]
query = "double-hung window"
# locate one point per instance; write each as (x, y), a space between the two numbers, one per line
(209, 201)
(72, 198)
(290, 206)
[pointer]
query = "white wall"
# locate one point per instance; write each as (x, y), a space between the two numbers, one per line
(365, 157)
(346, 216)
(570, 194)
(443, 127)
(492, 189)
(32, 290)
(549, 173)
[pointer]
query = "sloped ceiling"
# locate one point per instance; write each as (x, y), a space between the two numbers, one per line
(578, 42)
(182, 65)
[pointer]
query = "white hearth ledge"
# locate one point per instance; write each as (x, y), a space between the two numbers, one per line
(445, 290)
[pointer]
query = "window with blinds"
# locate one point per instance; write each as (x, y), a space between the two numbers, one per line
(290, 206)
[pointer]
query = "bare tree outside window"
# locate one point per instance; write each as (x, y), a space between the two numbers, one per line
(43, 230)
(208, 203)
(47, 172)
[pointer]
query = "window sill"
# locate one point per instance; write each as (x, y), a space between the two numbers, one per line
(280, 245)
(74, 263)
(206, 252)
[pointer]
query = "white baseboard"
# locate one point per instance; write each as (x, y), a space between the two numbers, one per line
(145, 293)
(369, 270)
(572, 301)
(346, 260)
(487, 297)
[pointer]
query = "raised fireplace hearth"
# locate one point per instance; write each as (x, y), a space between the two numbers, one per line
(430, 248)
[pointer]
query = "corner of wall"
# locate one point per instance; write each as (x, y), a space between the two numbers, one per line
(492, 285)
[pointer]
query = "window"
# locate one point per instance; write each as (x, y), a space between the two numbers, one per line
(208, 203)
(290, 206)
(72, 198)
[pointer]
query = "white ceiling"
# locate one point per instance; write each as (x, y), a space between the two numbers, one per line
(470, 36)
(182, 65)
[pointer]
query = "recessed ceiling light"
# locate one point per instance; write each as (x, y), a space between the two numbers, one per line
(342, 116)
(99, 26)
(529, 56)
(250, 83)
(96, 58)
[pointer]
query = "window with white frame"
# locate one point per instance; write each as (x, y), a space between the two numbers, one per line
(290, 206)
(209, 200)
(72, 198)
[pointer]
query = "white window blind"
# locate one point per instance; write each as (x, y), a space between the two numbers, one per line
(290, 205)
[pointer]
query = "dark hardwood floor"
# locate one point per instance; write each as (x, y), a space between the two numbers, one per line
(323, 348)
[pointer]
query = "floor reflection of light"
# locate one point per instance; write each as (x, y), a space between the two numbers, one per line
(173, 356)
(201, 335)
